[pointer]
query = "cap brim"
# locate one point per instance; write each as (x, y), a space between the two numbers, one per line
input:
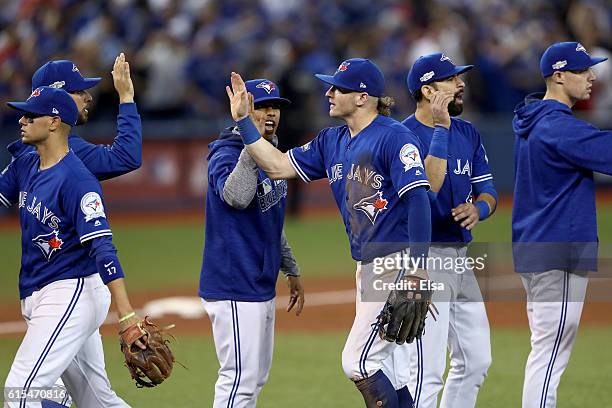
(280, 101)
(330, 80)
(86, 84)
(460, 69)
(597, 60)
(24, 107)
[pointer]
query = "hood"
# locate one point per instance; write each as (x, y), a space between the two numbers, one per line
(531, 110)
(228, 137)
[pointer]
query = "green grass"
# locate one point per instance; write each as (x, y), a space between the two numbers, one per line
(306, 372)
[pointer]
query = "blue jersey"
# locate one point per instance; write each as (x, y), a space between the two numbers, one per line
(242, 249)
(368, 174)
(554, 194)
(467, 166)
(60, 210)
(105, 162)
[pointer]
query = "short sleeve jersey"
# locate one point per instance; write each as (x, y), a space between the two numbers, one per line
(467, 165)
(368, 175)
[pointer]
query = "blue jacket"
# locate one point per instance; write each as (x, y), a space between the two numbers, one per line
(554, 195)
(242, 249)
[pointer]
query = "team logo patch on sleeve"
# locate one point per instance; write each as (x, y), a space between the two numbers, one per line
(91, 205)
(48, 243)
(410, 156)
(372, 205)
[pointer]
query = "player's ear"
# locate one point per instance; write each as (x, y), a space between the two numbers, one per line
(557, 77)
(428, 91)
(361, 98)
(54, 122)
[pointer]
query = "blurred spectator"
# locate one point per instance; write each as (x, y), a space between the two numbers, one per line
(182, 51)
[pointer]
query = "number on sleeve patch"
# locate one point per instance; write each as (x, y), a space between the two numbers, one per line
(91, 205)
(409, 155)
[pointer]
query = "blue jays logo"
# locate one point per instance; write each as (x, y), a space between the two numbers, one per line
(266, 86)
(75, 69)
(410, 157)
(92, 207)
(580, 47)
(34, 93)
(445, 58)
(49, 243)
(343, 67)
(372, 206)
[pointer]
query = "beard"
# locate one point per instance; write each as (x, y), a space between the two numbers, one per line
(454, 108)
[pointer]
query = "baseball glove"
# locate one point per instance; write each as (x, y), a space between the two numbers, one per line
(402, 319)
(151, 366)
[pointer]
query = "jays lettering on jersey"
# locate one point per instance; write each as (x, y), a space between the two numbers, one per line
(242, 248)
(467, 166)
(60, 209)
(368, 174)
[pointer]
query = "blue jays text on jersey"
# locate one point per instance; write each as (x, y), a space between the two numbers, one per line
(368, 174)
(105, 162)
(242, 249)
(467, 168)
(554, 195)
(60, 209)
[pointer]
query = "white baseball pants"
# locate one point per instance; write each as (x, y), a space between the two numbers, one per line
(554, 306)
(244, 341)
(62, 339)
(461, 327)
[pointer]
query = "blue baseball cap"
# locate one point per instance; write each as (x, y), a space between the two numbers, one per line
(433, 67)
(49, 101)
(264, 90)
(358, 75)
(62, 74)
(566, 56)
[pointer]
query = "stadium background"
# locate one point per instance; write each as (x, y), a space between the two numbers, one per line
(181, 53)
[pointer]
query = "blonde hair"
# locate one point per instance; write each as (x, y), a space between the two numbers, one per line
(384, 105)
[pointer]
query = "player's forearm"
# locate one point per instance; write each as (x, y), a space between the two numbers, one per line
(289, 265)
(271, 160)
(436, 160)
(435, 168)
(120, 297)
(490, 201)
(241, 184)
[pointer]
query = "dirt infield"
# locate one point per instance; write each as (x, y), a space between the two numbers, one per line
(329, 307)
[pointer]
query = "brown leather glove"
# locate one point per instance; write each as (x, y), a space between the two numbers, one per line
(153, 364)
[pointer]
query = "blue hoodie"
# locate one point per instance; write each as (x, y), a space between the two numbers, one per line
(554, 194)
(242, 249)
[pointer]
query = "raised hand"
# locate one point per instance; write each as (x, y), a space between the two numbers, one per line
(240, 105)
(439, 108)
(122, 80)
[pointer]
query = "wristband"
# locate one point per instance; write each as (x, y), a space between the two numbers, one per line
(127, 316)
(484, 209)
(248, 131)
(108, 267)
(439, 143)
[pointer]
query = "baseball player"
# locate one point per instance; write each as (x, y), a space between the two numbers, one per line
(245, 211)
(104, 162)
(554, 229)
(462, 194)
(376, 175)
(68, 260)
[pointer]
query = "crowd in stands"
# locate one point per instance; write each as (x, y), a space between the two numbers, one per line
(181, 51)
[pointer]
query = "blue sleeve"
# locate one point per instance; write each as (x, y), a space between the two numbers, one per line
(308, 160)
(485, 187)
(587, 147)
(83, 202)
(9, 187)
(480, 162)
(419, 222)
(403, 159)
(104, 253)
(124, 155)
(220, 165)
